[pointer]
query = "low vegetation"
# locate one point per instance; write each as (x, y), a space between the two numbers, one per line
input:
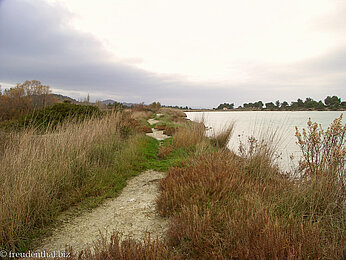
(220, 205)
(52, 116)
(224, 206)
(44, 174)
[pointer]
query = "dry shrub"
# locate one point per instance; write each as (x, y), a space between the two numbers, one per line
(323, 171)
(221, 139)
(160, 127)
(164, 151)
(117, 248)
(170, 130)
(261, 154)
(145, 129)
(155, 106)
(139, 107)
(219, 211)
(178, 119)
(173, 112)
(141, 114)
(189, 135)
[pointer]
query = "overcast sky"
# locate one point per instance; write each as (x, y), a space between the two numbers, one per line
(198, 53)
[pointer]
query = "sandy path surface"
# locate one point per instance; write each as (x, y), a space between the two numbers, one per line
(158, 135)
(132, 213)
(152, 121)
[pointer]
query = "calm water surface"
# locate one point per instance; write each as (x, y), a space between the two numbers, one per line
(262, 125)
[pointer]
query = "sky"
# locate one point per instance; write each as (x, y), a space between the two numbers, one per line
(198, 53)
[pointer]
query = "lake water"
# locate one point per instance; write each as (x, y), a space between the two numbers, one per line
(262, 124)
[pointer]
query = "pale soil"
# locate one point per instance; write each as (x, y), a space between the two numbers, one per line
(132, 213)
(153, 121)
(158, 135)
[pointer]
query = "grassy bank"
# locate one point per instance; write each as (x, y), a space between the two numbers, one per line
(223, 206)
(220, 205)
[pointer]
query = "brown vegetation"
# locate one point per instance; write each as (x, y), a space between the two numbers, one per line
(160, 127)
(41, 175)
(145, 129)
(170, 130)
(173, 112)
(221, 139)
(189, 136)
(164, 151)
(223, 206)
(24, 98)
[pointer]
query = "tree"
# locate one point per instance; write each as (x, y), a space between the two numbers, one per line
(270, 105)
(225, 105)
(300, 103)
(155, 106)
(277, 104)
(284, 105)
(320, 105)
(259, 104)
(332, 102)
(310, 103)
(24, 98)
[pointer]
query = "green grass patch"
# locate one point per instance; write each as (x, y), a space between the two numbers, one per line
(150, 148)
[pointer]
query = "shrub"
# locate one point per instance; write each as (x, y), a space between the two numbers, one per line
(164, 151)
(145, 129)
(51, 117)
(160, 127)
(221, 139)
(322, 169)
(170, 130)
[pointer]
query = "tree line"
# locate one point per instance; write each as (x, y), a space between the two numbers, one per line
(330, 103)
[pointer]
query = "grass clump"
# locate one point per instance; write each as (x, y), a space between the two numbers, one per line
(189, 135)
(221, 139)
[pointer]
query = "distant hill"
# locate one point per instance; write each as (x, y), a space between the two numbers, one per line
(111, 102)
(62, 98)
(127, 104)
(108, 102)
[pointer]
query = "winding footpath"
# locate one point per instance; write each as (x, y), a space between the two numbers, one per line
(132, 214)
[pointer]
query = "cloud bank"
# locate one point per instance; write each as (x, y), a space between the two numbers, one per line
(37, 42)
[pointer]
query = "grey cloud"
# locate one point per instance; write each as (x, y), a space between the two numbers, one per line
(37, 43)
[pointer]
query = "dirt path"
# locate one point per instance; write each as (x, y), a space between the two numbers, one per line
(132, 213)
(158, 135)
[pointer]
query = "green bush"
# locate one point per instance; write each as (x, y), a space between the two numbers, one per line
(52, 116)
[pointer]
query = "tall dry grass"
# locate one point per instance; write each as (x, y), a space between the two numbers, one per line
(189, 135)
(40, 175)
(175, 113)
(222, 138)
(224, 206)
